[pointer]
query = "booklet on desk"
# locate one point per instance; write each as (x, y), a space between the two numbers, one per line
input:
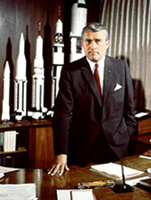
(114, 171)
(75, 194)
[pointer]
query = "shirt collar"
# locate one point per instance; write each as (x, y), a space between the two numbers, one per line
(92, 64)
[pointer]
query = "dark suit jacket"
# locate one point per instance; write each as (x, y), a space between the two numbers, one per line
(80, 116)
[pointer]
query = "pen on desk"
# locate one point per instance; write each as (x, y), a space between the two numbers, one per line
(96, 184)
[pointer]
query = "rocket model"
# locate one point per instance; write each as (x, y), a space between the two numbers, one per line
(38, 76)
(78, 21)
(20, 106)
(6, 93)
(58, 60)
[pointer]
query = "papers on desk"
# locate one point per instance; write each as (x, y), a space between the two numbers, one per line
(141, 114)
(114, 171)
(18, 191)
(146, 157)
(1, 175)
(4, 170)
(146, 154)
(133, 182)
(75, 194)
(146, 182)
(7, 169)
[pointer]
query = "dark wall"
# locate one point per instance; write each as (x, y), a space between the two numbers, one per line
(18, 16)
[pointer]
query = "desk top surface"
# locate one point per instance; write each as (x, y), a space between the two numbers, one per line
(46, 185)
(145, 139)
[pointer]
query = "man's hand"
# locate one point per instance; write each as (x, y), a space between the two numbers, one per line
(59, 165)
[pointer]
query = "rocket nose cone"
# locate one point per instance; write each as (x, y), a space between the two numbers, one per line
(59, 21)
(6, 69)
(21, 37)
(21, 43)
(59, 26)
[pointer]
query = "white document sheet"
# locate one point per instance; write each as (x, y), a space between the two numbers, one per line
(7, 169)
(133, 182)
(141, 114)
(18, 191)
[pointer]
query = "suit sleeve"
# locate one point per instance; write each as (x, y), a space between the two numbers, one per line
(129, 113)
(62, 115)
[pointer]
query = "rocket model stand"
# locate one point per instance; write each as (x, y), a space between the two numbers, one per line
(78, 21)
(20, 82)
(6, 93)
(58, 60)
(38, 78)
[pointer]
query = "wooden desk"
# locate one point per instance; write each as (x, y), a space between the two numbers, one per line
(139, 144)
(144, 125)
(46, 185)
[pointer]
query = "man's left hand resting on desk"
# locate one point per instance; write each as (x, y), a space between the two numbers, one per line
(59, 165)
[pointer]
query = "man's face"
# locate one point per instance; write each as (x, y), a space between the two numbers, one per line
(95, 45)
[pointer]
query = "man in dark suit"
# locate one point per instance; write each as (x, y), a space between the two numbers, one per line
(88, 126)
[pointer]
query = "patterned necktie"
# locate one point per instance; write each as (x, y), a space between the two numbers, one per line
(97, 78)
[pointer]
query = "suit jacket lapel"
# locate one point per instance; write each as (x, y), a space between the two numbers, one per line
(107, 78)
(91, 81)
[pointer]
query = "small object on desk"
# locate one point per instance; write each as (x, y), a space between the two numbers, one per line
(146, 182)
(96, 184)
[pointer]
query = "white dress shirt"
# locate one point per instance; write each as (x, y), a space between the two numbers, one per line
(101, 65)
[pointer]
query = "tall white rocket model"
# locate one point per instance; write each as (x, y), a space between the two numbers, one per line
(20, 100)
(58, 60)
(38, 75)
(78, 21)
(6, 93)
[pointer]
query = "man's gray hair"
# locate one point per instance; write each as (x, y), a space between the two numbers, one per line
(95, 27)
